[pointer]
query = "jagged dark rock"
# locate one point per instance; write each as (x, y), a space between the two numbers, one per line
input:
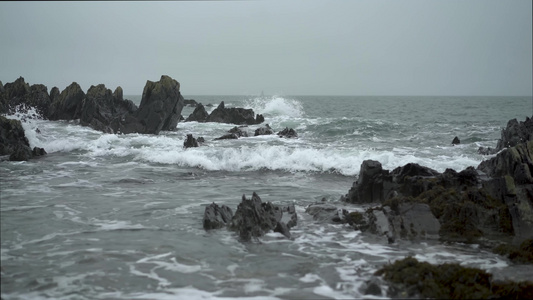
(288, 133)
(234, 115)
(456, 141)
(216, 216)
(19, 96)
(467, 206)
(515, 133)
(254, 218)
(13, 141)
(265, 130)
(103, 110)
(67, 106)
(199, 114)
(160, 108)
(190, 141)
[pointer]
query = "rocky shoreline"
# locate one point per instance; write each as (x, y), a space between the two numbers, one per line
(490, 205)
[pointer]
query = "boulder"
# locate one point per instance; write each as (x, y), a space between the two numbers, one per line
(254, 218)
(216, 216)
(199, 114)
(234, 115)
(190, 102)
(265, 130)
(370, 186)
(13, 141)
(190, 141)
(288, 133)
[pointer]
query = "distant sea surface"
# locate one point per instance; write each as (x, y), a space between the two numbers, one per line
(107, 216)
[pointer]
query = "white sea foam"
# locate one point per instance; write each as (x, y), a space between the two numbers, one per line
(276, 106)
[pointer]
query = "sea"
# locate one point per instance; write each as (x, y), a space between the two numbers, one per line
(111, 216)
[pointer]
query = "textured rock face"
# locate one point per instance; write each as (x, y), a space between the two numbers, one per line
(105, 111)
(13, 141)
(254, 218)
(216, 216)
(160, 107)
(19, 95)
(67, 106)
(466, 210)
(515, 133)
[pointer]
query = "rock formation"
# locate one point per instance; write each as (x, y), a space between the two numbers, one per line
(199, 114)
(252, 219)
(13, 141)
(468, 205)
(234, 115)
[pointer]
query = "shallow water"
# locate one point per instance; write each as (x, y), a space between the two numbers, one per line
(107, 216)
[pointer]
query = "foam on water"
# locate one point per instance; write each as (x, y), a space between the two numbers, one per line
(276, 106)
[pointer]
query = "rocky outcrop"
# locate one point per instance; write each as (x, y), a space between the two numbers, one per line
(252, 219)
(288, 133)
(19, 96)
(234, 115)
(67, 106)
(513, 134)
(13, 141)
(199, 114)
(103, 110)
(468, 205)
(160, 107)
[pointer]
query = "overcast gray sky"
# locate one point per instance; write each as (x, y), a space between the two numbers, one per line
(279, 47)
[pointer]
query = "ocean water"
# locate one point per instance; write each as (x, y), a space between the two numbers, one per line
(106, 216)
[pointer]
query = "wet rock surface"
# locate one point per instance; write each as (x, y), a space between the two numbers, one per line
(13, 141)
(252, 219)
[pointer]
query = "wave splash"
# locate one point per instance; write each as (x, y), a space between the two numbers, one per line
(276, 106)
